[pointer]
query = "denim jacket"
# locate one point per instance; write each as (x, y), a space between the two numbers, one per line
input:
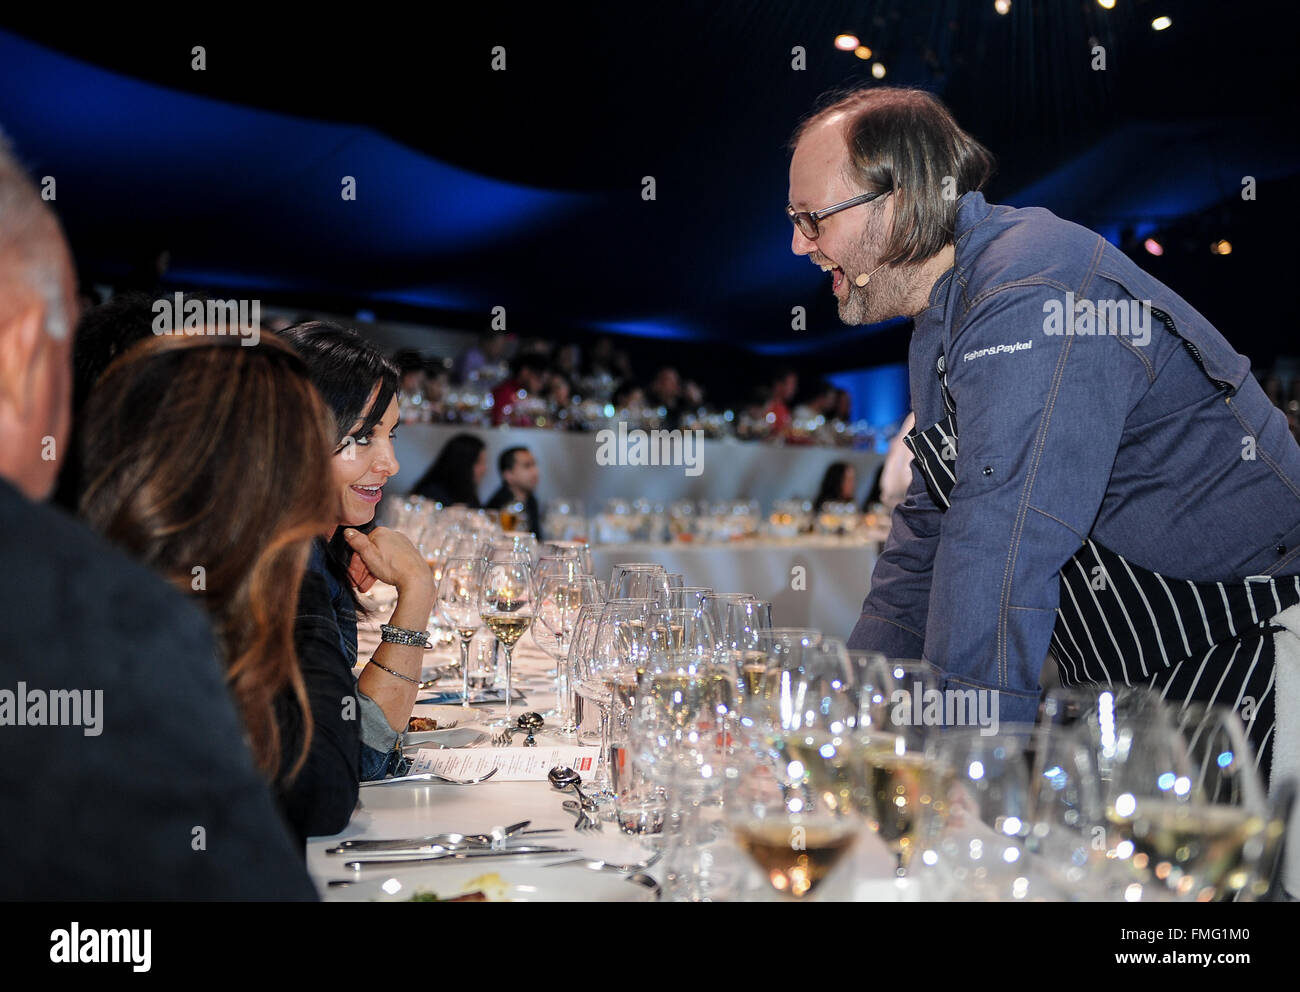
(379, 752)
(1077, 418)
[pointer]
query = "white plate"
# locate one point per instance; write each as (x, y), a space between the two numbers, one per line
(524, 883)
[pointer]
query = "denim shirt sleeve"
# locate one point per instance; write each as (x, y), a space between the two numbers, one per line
(380, 755)
(1038, 431)
(894, 614)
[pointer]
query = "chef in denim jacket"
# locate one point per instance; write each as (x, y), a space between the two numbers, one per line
(1097, 474)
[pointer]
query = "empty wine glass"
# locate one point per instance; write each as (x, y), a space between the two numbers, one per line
(458, 603)
(561, 594)
(506, 606)
(639, 580)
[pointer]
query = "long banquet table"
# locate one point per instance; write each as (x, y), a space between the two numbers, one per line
(413, 810)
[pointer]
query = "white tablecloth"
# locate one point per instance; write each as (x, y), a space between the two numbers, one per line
(413, 810)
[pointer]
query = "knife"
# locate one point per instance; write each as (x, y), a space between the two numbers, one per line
(417, 844)
(368, 863)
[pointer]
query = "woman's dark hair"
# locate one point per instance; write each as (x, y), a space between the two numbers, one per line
(345, 369)
(906, 142)
(832, 484)
(200, 451)
(450, 479)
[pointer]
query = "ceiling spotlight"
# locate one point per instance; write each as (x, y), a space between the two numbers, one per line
(1002, 6)
(1153, 247)
(1160, 23)
(846, 42)
(862, 52)
(1108, 4)
(1221, 247)
(878, 70)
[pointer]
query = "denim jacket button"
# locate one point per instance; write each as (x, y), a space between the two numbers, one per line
(1280, 549)
(988, 469)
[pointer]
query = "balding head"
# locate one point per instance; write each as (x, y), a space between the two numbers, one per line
(37, 312)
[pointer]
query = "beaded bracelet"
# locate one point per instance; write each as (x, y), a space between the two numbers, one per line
(400, 635)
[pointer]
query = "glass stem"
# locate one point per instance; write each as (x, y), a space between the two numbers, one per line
(508, 683)
(464, 670)
(602, 763)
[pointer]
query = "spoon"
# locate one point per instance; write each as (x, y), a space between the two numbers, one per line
(530, 723)
(562, 777)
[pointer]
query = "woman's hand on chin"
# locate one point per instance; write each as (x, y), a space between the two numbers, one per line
(390, 557)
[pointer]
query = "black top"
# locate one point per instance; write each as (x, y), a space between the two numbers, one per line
(320, 800)
(163, 801)
(504, 497)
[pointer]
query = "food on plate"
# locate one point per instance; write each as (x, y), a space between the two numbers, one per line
(421, 723)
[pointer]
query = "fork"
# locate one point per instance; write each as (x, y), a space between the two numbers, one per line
(430, 777)
(638, 866)
(586, 822)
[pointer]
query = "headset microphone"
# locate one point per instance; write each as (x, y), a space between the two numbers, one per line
(865, 277)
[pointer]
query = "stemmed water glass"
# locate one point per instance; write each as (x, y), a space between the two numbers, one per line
(458, 603)
(506, 606)
(561, 594)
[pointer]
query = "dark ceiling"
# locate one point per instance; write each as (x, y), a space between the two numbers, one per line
(522, 188)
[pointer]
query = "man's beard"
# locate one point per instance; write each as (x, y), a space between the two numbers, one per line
(885, 294)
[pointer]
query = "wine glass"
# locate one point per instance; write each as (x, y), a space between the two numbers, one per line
(894, 728)
(639, 580)
(561, 594)
(569, 549)
(792, 802)
(581, 649)
(975, 839)
(1187, 814)
(458, 603)
(620, 645)
(506, 606)
(688, 597)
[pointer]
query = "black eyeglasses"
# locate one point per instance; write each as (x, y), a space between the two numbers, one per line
(807, 220)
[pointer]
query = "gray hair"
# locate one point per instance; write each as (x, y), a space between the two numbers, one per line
(31, 255)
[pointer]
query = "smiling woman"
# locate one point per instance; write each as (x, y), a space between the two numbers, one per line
(359, 720)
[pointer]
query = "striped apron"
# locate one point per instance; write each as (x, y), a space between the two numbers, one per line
(1119, 624)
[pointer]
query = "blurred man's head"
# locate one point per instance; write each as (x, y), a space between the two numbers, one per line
(904, 147)
(785, 383)
(667, 386)
(38, 308)
(519, 469)
(530, 373)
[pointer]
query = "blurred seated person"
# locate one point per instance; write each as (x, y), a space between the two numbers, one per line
(437, 383)
(776, 411)
(527, 380)
(629, 401)
(838, 485)
(666, 394)
(484, 360)
(455, 475)
(559, 398)
(410, 386)
(814, 414)
(843, 409)
(519, 478)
